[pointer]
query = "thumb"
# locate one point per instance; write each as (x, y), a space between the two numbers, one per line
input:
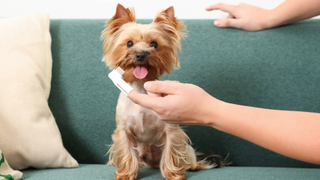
(228, 22)
(162, 87)
(153, 94)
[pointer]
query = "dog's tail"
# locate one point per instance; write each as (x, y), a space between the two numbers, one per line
(212, 161)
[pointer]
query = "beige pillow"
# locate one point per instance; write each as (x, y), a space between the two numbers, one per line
(29, 135)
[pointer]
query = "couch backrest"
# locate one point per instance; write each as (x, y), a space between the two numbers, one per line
(277, 68)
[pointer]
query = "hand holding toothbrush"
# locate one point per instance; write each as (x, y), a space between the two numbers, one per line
(284, 132)
(176, 102)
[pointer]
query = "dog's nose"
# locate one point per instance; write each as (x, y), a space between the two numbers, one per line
(141, 56)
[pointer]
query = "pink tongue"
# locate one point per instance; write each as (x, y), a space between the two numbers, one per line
(140, 72)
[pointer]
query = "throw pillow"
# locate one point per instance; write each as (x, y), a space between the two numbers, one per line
(29, 135)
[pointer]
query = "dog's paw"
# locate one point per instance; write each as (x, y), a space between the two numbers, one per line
(126, 177)
(176, 177)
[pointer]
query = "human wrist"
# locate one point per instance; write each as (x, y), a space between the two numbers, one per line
(214, 112)
(278, 17)
(270, 20)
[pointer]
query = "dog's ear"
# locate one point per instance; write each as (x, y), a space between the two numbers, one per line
(170, 24)
(125, 14)
(170, 13)
(122, 16)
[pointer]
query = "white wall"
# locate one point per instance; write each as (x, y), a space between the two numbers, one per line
(104, 9)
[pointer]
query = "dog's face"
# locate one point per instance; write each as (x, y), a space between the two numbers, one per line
(144, 51)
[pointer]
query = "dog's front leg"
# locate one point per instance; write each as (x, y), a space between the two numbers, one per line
(123, 155)
(175, 159)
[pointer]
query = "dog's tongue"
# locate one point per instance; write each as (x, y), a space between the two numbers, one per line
(140, 72)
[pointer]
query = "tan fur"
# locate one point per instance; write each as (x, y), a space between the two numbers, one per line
(141, 139)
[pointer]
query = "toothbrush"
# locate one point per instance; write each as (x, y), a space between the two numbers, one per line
(116, 77)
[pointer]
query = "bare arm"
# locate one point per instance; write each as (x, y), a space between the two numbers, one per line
(252, 18)
(295, 10)
(290, 133)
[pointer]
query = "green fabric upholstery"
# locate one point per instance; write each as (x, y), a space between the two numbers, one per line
(103, 172)
(277, 68)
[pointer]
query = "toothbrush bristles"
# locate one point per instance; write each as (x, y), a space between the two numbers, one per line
(120, 70)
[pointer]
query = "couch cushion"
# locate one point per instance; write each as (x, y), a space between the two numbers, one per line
(103, 172)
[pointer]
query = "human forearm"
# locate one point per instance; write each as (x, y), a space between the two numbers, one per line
(290, 133)
(252, 18)
(293, 10)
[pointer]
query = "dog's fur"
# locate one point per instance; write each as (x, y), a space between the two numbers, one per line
(141, 139)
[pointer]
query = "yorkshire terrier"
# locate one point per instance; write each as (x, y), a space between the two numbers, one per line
(145, 52)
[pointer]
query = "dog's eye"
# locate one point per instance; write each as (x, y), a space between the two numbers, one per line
(129, 44)
(154, 44)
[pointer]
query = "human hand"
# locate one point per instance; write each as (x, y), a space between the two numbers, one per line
(177, 103)
(243, 16)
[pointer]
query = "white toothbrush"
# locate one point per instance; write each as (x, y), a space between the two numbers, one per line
(116, 76)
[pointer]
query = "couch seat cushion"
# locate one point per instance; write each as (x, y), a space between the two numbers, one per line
(103, 172)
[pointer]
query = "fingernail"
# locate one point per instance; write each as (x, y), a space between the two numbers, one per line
(217, 23)
(147, 85)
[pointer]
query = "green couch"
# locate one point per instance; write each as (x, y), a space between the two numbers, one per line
(277, 69)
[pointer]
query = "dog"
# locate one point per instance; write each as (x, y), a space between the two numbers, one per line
(145, 52)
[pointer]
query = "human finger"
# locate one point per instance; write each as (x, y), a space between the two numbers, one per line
(231, 16)
(228, 22)
(154, 94)
(144, 100)
(223, 7)
(162, 87)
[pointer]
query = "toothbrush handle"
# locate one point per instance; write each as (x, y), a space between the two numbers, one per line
(123, 86)
(119, 82)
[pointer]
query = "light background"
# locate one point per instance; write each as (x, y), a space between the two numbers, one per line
(104, 9)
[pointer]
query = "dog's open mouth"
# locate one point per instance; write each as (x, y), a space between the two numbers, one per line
(140, 71)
